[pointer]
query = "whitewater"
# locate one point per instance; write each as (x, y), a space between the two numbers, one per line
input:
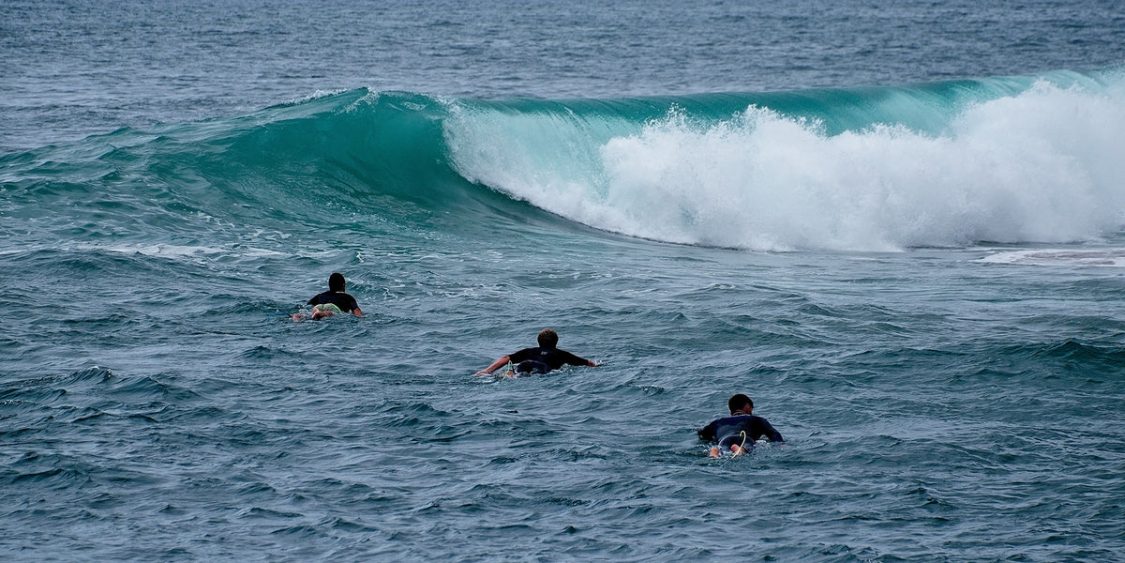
(900, 229)
(938, 166)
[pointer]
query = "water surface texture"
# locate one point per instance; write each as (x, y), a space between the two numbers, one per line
(900, 227)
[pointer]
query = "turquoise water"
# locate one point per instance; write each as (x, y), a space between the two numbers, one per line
(900, 229)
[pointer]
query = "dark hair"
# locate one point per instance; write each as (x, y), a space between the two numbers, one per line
(738, 402)
(336, 282)
(548, 338)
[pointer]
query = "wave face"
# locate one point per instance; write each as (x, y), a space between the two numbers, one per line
(1015, 159)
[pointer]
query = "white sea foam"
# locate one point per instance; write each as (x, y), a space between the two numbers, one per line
(1047, 165)
(1108, 257)
(176, 252)
(318, 94)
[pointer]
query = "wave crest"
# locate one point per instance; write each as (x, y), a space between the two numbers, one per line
(1038, 164)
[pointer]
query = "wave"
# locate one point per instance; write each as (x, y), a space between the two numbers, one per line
(1005, 159)
(1002, 160)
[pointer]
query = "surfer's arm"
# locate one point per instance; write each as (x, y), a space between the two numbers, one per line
(707, 433)
(573, 360)
(501, 361)
(771, 433)
(357, 312)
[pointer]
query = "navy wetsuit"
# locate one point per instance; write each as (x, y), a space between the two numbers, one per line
(543, 360)
(726, 431)
(345, 302)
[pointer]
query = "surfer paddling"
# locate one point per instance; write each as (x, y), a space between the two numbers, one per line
(333, 301)
(734, 432)
(542, 359)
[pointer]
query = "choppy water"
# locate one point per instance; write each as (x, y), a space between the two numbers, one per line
(899, 228)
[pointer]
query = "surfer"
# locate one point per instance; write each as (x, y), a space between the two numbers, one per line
(542, 359)
(738, 429)
(333, 301)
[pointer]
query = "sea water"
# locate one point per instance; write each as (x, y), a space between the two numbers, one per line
(899, 227)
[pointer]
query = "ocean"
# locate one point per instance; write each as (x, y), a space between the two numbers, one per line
(899, 227)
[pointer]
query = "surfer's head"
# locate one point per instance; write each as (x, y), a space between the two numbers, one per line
(740, 403)
(336, 282)
(548, 338)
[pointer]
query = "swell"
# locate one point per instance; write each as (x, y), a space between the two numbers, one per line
(358, 159)
(1006, 159)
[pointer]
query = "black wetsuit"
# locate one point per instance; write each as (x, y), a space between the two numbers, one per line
(345, 302)
(543, 360)
(726, 431)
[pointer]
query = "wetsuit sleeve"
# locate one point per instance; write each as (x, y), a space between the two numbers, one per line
(352, 304)
(770, 432)
(573, 360)
(707, 433)
(314, 300)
